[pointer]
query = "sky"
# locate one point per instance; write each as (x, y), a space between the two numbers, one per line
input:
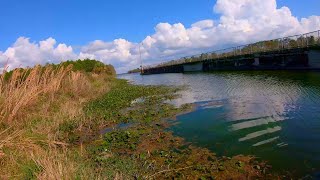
(37, 31)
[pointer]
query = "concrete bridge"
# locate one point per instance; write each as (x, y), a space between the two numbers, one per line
(294, 52)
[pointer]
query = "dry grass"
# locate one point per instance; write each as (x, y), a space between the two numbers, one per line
(33, 104)
(55, 165)
(25, 86)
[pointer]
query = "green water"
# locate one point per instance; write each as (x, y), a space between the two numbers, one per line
(274, 115)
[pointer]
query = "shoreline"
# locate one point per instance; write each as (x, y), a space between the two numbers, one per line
(159, 147)
(56, 135)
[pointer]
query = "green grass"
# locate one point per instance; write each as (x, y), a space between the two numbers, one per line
(29, 170)
(116, 106)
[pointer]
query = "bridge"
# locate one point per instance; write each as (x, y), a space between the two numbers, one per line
(294, 52)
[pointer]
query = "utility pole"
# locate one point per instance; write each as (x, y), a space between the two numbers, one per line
(141, 66)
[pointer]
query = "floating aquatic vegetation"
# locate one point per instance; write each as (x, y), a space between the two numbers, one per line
(145, 143)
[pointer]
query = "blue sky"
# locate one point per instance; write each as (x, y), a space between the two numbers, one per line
(77, 22)
(37, 31)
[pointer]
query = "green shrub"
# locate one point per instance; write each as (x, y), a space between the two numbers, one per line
(122, 139)
(88, 65)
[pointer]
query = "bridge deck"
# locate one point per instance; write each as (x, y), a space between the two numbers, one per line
(293, 47)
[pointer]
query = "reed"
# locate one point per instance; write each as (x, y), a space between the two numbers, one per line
(25, 85)
(34, 104)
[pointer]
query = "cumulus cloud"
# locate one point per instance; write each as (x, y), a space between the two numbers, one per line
(25, 53)
(240, 22)
(203, 24)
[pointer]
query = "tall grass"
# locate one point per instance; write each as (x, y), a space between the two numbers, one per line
(25, 85)
(34, 104)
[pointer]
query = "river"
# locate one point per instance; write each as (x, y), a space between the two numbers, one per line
(273, 115)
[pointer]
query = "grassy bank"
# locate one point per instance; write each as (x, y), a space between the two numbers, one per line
(41, 111)
(56, 123)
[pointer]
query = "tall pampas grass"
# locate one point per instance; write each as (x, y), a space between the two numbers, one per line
(25, 85)
(34, 103)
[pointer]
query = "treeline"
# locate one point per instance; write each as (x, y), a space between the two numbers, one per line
(137, 70)
(87, 66)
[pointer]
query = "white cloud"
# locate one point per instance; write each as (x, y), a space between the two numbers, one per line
(118, 50)
(86, 56)
(25, 53)
(203, 24)
(240, 22)
(48, 44)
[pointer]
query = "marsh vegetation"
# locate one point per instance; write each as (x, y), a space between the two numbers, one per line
(52, 117)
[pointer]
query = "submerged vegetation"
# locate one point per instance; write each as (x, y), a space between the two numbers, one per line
(52, 125)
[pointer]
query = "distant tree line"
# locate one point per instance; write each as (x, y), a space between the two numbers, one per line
(87, 65)
(137, 70)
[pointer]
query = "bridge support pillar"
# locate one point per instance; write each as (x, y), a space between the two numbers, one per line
(256, 62)
(314, 58)
(193, 67)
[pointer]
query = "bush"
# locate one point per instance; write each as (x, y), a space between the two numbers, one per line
(88, 65)
(122, 139)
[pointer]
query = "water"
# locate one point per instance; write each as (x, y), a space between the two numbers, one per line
(272, 115)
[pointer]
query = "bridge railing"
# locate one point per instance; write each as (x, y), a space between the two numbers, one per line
(291, 42)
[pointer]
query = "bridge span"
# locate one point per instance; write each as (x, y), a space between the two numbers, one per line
(294, 52)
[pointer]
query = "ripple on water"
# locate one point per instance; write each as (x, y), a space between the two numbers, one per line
(260, 133)
(255, 122)
(273, 115)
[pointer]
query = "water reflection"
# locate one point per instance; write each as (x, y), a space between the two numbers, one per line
(255, 122)
(273, 115)
(266, 141)
(260, 133)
